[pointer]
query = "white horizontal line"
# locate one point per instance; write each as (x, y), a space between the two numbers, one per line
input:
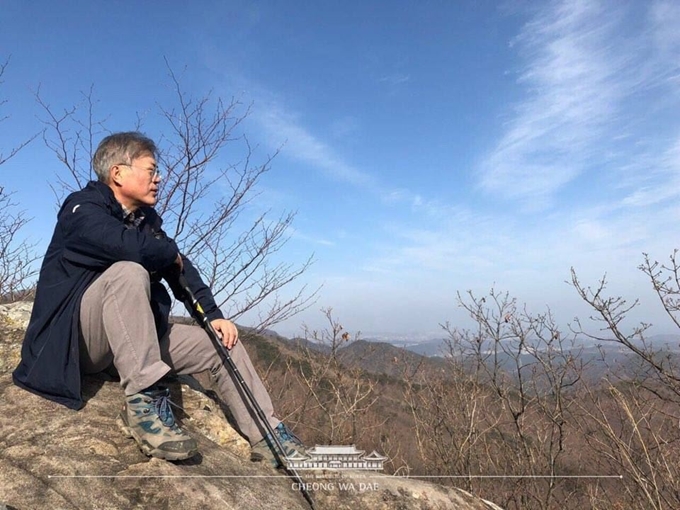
(363, 476)
(167, 476)
(516, 476)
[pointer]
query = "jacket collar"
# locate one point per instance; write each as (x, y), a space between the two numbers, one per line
(117, 209)
(109, 198)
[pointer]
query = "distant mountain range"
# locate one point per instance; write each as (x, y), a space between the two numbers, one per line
(398, 357)
(438, 347)
(388, 359)
(426, 348)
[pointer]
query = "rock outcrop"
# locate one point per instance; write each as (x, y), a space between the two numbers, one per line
(57, 458)
(13, 322)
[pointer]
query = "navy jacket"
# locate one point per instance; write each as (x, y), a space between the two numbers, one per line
(89, 237)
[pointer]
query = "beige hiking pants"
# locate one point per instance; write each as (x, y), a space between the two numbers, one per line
(118, 327)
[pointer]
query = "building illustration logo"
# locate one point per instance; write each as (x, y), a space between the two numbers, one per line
(336, 457)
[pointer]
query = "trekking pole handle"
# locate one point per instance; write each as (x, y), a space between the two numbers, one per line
(195, 307)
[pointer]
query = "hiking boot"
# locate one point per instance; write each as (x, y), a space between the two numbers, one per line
(147, 417)
(262, 450)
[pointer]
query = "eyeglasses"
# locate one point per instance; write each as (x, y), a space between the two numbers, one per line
(153, 174)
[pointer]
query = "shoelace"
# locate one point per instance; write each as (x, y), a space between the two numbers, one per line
(286, 435)
(163, 407)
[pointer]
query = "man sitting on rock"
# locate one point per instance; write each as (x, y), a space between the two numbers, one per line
(100, 302)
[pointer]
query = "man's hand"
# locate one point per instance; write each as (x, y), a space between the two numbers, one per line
(227, 332)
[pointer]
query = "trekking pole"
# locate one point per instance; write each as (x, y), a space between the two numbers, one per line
(197, 313)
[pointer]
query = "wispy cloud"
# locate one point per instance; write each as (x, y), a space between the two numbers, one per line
(664, 19)
(431, 209)
(581, 78)
(395, 79)
(658, 180)
(302, 144)
(451, 241)
(296, 234)
(282, 127)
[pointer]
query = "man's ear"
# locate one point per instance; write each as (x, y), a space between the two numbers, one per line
(115, 175)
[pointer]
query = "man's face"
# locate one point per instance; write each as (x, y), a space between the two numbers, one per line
(136, 184)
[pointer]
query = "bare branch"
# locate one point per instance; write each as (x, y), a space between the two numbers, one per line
(17, 255)
(71, 137)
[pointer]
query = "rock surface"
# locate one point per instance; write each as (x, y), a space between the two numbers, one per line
(54, 457)
(17, 314)
(13, 322)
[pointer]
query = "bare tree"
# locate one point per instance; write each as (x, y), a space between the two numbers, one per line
(633, 422)
(330, 400)
(453, 414)
(502, 407)
(630, 433)
(16, 253)
(339, 396)
(210, 180)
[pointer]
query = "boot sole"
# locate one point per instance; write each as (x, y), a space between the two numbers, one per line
(149, 450)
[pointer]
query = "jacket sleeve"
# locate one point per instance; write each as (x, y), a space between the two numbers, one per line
(94, 238)
(202, 292)
(198, 288)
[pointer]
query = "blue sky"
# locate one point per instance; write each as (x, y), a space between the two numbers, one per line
(428, 147)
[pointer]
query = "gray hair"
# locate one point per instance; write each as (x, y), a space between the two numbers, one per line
(119, 149)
